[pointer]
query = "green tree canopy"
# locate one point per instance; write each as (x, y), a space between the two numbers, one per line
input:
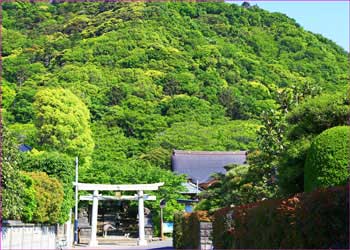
(62, 120)
(318, 114)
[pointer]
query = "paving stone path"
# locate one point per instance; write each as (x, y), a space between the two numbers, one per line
(155, 245)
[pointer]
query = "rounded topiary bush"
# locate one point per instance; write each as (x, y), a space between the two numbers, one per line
(328, 159)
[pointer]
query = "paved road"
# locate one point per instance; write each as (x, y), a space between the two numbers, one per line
(156, 245)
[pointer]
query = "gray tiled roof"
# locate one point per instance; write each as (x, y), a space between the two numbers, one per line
(200, 165)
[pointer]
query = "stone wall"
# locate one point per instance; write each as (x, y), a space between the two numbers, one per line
(205, 234)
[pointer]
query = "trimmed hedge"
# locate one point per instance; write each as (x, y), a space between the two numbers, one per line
(186, 229)
(317, 219)
(224, 224)
(328, 159)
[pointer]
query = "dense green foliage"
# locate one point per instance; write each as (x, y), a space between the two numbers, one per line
(48, 196)
(327, 162)
(17, 193)
(286, 223)
(238, 186)
(59, 166)
(29, 199)
(306, 121)
(249, 183)
(62, 121)
(153, 64)
(318, 114)
(10, 183)
(123, 84)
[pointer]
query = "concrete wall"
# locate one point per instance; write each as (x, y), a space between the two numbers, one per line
(17, 235)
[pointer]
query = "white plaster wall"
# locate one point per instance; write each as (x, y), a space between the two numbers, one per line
(27, 236)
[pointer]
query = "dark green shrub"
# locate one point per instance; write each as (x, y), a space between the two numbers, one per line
(222, 233)
(323, 218)
(271, 224)
(178, 234)
(182, 232)
(305, 121)
(318, 114)
(291, 167)
(225, 223)
(186, 229)
(328, 159)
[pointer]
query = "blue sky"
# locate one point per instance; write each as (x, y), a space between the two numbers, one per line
(329, 18)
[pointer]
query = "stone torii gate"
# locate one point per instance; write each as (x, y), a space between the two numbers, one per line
(140, 196)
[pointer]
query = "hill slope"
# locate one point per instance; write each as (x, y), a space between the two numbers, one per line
(158, 76)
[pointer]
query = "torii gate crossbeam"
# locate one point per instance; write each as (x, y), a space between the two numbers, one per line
(125, 187)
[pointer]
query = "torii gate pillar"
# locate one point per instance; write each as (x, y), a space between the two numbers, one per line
(142, 241)
(93, 241)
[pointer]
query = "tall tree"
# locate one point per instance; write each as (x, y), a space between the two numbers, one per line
(62, 120)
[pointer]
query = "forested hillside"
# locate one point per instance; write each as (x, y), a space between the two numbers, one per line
(123, 84)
